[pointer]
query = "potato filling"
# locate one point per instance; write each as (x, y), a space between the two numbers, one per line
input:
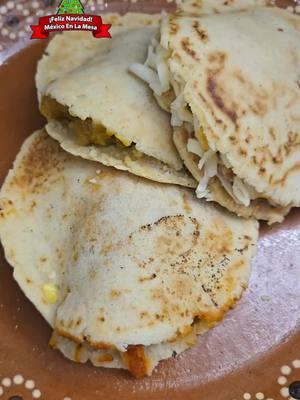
(87, 132)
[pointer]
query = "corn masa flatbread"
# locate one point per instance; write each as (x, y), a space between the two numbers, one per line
(97, 110)
(241, 114)
(126, 271)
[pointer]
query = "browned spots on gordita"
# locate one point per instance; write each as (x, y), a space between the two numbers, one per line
(42, 161)
(173, 25)
(187, 48)
(272, 133)
(176, 56)
(217, 57)
(239, 77)
(262, 170)
(115, 293)
(228, 2)
(147, 278)
(198, 3)
(277, 160)
(258, 98)
(202, 34)
(259, 107)
(293, 169)
(66, 334)
(144, 314)
(248, 139)
(298, 84)
(215, 93)
(242, 151)
(292, 143)
(33, 205)
(170, 221)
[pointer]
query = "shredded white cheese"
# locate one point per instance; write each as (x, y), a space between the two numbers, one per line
(156, 73)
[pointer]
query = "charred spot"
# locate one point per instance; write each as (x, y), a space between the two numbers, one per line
(187, 48)
(254, 159)
(213, 89)
(214, 302)
(280, 29)
(247, 237)
(202, 34)
(298, 84)
(170, 220)
(277, 160)
(232, 139)
(147, 278)
(242, 152)
(28, 280)
(145, 228)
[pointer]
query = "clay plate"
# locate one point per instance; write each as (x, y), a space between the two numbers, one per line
(254, 353)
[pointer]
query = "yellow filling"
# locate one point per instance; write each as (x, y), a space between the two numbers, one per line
(199, 134)
(87, 132)
(50, 293)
